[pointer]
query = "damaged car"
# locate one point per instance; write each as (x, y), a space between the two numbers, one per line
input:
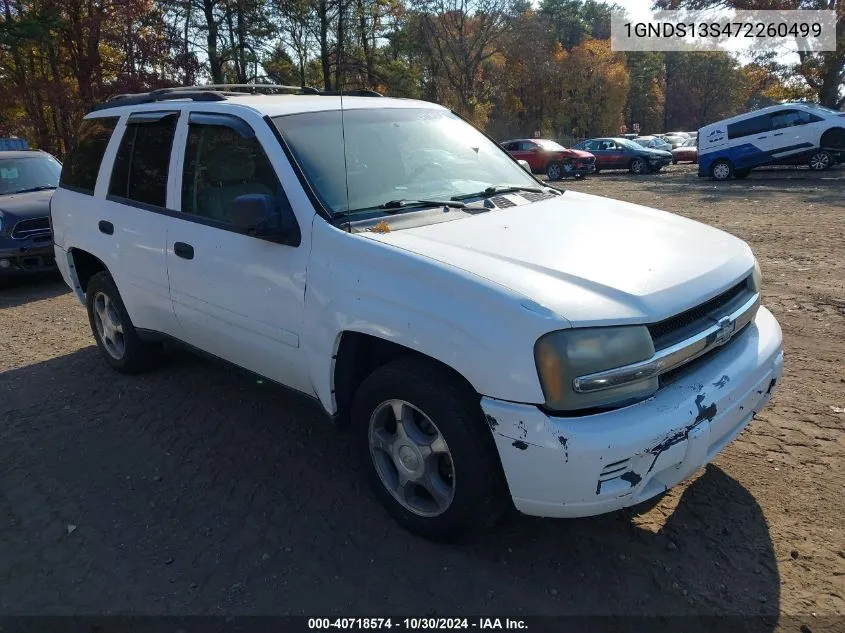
(485, 341)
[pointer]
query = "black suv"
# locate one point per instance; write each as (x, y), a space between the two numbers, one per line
(27, 181)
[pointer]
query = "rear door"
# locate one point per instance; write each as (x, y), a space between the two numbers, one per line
(533, 153)
(133, 222)
(793, 132)
(595, 148)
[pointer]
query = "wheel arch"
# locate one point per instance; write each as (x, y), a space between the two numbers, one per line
(83, 265)
(358, 354)
(834, 132)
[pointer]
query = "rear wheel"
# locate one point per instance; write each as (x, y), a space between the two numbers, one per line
(722, 169)
(426, 450)
(116, 337)
(638, 166)
(554, 170)
(820, 160)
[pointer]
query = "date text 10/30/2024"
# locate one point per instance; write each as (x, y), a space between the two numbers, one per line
(412, 624)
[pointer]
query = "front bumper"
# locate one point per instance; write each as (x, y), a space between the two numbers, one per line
(583, 466)
(23, 260)
(582, 169)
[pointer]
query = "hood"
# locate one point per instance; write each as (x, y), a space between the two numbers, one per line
(591, 260)
(26, 205)
(578, 153)
(663, 153)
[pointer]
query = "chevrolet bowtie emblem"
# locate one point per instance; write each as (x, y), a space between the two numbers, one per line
(725, 332)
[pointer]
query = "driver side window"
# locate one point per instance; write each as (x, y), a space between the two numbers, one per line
(223, 162)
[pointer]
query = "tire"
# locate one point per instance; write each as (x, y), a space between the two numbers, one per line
(554, 171)
(568, 167)
(656, 169)
(638, 166)
(674, 161)
(474, 496)
(820, 161)
(123, 350)
(741, 174)
(722, 169)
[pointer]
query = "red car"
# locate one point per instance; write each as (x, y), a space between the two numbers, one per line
(687, 152)
(550, 158)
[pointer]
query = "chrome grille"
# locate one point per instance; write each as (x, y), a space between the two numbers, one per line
(35, 227)
(676, 328)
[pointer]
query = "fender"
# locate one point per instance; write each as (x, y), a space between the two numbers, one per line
(461, 320)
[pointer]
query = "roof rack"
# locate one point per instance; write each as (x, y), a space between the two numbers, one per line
(220, 92)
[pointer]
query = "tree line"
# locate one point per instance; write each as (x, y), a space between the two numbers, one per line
(511, 67)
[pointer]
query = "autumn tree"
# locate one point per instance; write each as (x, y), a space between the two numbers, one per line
(823, 72)
(595, 85)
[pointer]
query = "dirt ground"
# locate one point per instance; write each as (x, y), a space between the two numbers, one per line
(198, 490)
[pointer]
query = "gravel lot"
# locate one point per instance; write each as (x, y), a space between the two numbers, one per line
(196, 489)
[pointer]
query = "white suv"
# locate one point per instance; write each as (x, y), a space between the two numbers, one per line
(486, 339)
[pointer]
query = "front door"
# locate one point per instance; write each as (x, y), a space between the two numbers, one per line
(238, 297)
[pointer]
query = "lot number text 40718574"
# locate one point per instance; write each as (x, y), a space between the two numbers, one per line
(411, 624)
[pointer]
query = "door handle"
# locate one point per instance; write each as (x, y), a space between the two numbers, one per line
(762, 137)
(105, 227)
(778, 134)
(185, 251)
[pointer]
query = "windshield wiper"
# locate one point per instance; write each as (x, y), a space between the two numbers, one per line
(404, 203)
(38, 188)
(497, 189)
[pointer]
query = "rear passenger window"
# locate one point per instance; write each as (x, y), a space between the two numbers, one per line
(143, 158)
(81, 166)
(223, 162)
(754, 125)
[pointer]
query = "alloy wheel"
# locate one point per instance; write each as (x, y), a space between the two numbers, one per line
(109, 326)
(412, 458)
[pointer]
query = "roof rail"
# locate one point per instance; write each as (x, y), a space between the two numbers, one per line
(219, 92)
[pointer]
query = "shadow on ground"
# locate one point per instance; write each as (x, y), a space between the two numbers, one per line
(15, 291)
(196, 489)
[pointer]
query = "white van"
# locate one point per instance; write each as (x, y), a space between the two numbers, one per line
(803, 132)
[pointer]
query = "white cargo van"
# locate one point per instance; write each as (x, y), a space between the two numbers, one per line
(795, 131)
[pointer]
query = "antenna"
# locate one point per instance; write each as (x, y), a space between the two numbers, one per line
(340, 81)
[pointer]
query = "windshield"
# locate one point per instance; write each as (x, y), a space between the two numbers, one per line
(550, 145)
(395, 153)
(28, 173)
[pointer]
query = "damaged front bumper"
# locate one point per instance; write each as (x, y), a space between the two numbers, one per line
(588, 465)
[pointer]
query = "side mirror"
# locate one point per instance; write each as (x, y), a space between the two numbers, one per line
(524, 164)
(267, 217)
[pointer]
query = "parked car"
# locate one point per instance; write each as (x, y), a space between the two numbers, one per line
(686, 153)
(620, 153)
(13, 143)
(653, 142)
(553, 159)
(27, 181)
(674, 140)
(731, 148)
(488, 341)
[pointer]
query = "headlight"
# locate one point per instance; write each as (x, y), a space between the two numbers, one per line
(756, 277)
(564, 355)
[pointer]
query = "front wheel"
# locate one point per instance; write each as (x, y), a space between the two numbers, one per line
(116, 337)
(820, 161)
(639, 166)
(427, 451)
(554, 170)
(722, 169)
